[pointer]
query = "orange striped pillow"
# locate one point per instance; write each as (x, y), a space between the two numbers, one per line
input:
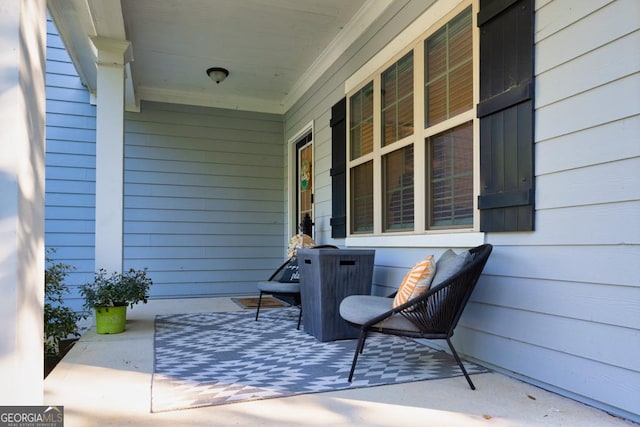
(417, 281)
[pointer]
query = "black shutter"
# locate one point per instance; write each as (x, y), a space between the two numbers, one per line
(506, 200)
(339, 169)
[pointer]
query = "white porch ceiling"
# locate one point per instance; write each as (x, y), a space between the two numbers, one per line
(273, 49)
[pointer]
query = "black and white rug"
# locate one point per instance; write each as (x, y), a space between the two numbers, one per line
(207, 359)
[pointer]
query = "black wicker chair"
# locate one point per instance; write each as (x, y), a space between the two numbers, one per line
(433, 315)
(288, 291)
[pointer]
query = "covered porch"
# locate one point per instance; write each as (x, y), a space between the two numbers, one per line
(105, 380)
(158, 166)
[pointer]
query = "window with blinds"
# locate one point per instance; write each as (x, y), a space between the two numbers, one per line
(361, 200)
(397, 169)
(361, 122)
(449, 92)
(390, 124)
(448, 70)
(450, 155)
(397, 100)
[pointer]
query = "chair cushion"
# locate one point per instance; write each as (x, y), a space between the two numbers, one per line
(359, 309)
(279, 287)
(417, 281)
(449, 264)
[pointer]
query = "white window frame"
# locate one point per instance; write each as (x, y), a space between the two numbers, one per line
(413, 38)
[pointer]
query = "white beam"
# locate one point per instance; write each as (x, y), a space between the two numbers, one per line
(111, 59)
(80, 21)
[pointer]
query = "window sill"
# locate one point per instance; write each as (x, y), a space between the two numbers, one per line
(466, 239)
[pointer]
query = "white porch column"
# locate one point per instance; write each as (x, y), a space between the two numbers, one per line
(22, 147)
(112, 58)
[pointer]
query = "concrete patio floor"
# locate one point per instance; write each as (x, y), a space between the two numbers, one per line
(105, 381)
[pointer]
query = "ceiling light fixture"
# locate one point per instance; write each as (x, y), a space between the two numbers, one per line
(217, 74)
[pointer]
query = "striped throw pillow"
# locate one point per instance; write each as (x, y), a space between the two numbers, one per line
(417, 281)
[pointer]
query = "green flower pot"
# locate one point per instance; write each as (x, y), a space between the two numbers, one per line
(111, 320)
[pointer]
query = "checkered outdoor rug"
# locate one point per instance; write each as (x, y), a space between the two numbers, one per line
(209, 359)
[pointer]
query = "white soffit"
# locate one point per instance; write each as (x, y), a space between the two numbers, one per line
(360, 22)
(251, 83)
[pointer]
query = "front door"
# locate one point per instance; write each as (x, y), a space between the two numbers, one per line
(304, 180)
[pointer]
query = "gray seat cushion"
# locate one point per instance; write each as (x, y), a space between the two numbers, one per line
(279, 287)
(359, 309)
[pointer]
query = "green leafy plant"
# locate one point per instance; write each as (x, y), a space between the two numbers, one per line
(60, 322)
(116, 289)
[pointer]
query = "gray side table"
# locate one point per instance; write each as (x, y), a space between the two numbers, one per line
(327, 276)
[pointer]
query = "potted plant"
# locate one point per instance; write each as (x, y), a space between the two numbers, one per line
(60, 322)
(110, 294)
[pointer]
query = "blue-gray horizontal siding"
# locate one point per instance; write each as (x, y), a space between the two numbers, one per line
(70, 168)
(204, 198)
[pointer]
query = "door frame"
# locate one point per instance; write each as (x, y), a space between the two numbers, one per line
(291, 225)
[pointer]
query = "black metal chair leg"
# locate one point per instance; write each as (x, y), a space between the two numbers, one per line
(299, 318)
(359, 349)
(464, 371)
(259, 302)
(364, 339)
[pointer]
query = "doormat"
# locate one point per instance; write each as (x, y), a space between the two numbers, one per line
(252, 302)
(207, 359)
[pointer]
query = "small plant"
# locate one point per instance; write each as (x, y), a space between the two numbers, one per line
(116, 289)
(60, 322)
